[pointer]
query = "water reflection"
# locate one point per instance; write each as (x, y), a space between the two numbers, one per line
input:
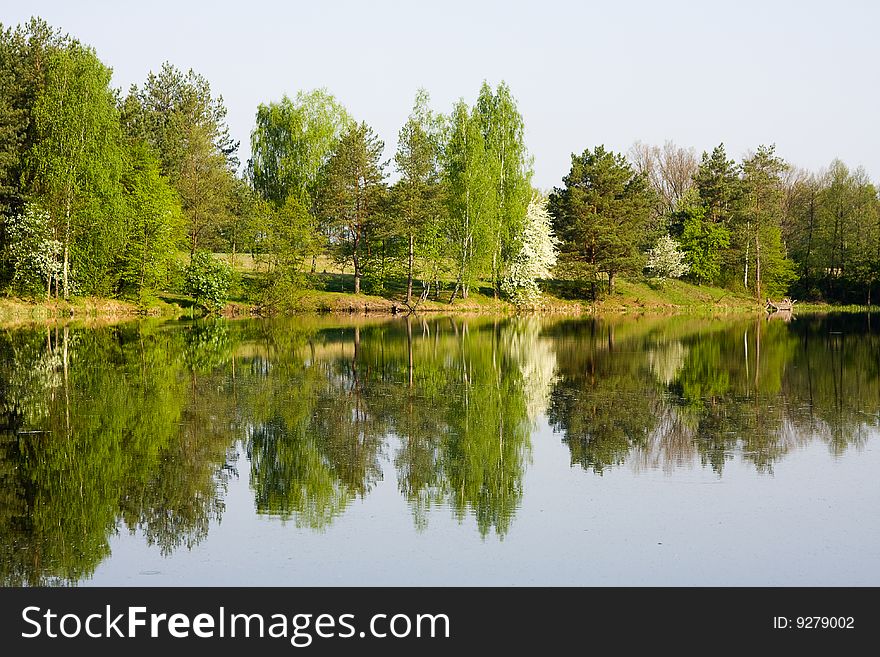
(139, 427)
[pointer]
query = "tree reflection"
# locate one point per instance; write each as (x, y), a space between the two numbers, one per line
(712, 390)
(137, 427)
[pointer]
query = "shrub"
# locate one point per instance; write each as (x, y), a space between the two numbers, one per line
(208, 280)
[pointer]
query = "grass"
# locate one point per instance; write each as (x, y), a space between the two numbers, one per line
(330, 290)
(642, 296)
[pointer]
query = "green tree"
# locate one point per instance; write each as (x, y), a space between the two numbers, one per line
(717, 182)
(351, 188)
(208, 280)
(507, 164)
(471, 198)
(762, 220)
(76, 160)
(153, 224)
(292, 140)
(702, 240)
(24, 53)
(185, 124)
(418, 193)
(601, 216)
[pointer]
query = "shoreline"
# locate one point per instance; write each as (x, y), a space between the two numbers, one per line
(94, 310)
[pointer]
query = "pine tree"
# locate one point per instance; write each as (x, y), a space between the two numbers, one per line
(351, 186)
(601, 216)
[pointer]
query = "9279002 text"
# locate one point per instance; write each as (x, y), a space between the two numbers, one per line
(814, 623)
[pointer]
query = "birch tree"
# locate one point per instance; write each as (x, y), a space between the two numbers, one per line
(76, 160)
(471, 199)
(508, 166)
(419, 194)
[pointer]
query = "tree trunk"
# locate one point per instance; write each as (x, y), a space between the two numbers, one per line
(67, 250)
(356, 264)
(455, 290)
(757, 267)
(409, 276)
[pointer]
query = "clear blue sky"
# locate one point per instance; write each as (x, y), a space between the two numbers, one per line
(801, 74)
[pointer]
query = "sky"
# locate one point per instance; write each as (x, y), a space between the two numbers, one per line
(802, 75)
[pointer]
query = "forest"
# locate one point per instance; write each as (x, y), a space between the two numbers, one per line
(136, 194)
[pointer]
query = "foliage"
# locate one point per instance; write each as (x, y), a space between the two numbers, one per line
(507, 163)
(471, 197)
(761, 223)
(418, 195)
(350, 192)
(290, 240)
(536, 257)
(177, 114)
(153, 224)
(34, 256)
(702, 242)
(291, 141)
(208, 280)
(601, 216)
(75, 163)
(666, 260)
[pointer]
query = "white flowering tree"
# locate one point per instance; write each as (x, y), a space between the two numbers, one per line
(536, 256)
(666, 259)
(34, 255)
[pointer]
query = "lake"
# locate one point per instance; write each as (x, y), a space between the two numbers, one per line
(442, 451)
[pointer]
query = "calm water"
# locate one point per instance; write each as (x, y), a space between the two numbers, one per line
(442, 451)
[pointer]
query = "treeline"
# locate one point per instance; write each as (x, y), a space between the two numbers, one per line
(100, 191)
(126, 194)
(759, 225)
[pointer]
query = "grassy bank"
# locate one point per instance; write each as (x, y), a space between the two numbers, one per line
(13, 310)
(629, 297)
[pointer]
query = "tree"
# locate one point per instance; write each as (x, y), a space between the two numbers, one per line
(762, 214)
(34, 255)
(536, 257)
(205, 186)
(666, 260)
(702, 240)
(471, 198)
(208, 280)
(507, 164)
(717, 182)
(76, 159)
(177, 115)
(153, 223)
(350, 190)
(291, 238)
(669, 169)
(802, 226)
(601, 216)
(24, 54)
(292, 140)
(245, 220)
(418, 193)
